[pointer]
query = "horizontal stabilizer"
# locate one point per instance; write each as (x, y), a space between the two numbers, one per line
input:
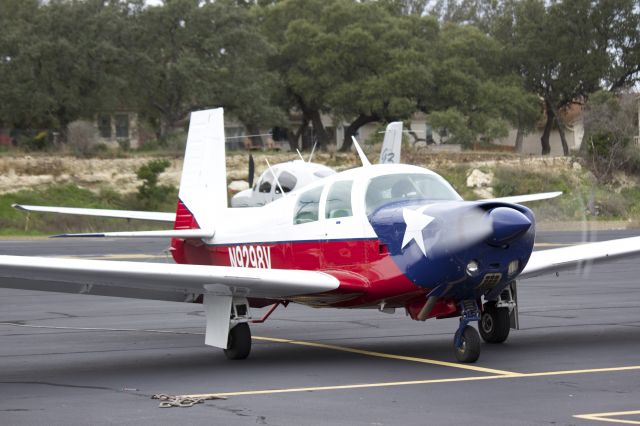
(178, 233)
(122, 214)
(517, 199)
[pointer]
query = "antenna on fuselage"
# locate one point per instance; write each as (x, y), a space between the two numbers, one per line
(363, 158)
(275, 178)
(312, 151)
(300, 155)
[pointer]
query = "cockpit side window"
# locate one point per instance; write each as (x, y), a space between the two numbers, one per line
(307, 206)
(387, 188)
(266, 183)
(287, 182)
(339, 200)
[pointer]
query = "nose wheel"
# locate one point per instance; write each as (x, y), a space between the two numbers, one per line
(466, 342)
(467, 346)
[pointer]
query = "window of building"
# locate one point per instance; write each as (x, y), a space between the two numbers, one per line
(339, 200)
(122, 125)
(307, 206)
(104, 126)
(287, 182)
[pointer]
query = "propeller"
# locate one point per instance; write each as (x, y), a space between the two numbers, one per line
(252, 171)
(467, 226)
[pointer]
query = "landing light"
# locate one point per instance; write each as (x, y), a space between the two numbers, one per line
(513, 267)
(472, 268)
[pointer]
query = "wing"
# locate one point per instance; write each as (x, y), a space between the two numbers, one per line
(162, 281)
(555, 260)
(123, 214)
(517, 199)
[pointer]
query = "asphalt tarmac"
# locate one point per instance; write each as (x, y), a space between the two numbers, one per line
(72, 359)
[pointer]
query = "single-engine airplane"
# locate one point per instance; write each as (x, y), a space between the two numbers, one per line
(291, 175)
(379, 236)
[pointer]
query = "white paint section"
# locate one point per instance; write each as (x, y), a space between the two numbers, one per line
(555, 260)
(203, 185)
(390, 152)
(42, 273)
(217, 310)
(122, 214)
(416, 222)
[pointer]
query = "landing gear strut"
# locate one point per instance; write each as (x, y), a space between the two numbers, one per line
(466, 342)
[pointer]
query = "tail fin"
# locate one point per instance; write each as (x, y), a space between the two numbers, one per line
(390, 152)
(203, 185)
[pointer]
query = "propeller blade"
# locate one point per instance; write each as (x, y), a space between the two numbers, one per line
(252, 171)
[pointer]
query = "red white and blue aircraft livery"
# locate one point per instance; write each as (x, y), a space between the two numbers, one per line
(384, 236)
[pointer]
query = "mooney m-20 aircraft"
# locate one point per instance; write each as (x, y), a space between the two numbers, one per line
(291, 175)
(379, 236)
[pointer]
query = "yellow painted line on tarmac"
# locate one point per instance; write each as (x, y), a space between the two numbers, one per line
(410, 382)
(386, 355)
(607, 417)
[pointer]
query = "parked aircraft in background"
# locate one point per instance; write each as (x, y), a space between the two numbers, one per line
(382, 236)
(286, 177)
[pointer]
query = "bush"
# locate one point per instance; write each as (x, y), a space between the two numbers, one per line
(151, 195)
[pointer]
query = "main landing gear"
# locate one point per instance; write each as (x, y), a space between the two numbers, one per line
(239, 343)
(494, 323)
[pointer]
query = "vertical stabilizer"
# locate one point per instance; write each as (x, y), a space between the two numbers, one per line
(391, 144)
(203, 185)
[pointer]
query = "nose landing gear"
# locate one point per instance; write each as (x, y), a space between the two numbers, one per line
(466, 342)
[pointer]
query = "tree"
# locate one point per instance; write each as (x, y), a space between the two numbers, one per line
(189, 55)
(610, 123)
(354, 60)
(60, 60)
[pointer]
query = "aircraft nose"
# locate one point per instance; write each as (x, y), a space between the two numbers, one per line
(508, 224)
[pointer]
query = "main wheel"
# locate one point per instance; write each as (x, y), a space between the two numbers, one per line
(469, 349)
(239, 343)
(494, 323)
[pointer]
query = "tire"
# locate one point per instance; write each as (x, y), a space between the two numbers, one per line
(239, 343)
(469, 350)
(494, 323)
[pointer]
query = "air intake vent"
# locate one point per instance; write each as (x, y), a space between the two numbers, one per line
(489, 281)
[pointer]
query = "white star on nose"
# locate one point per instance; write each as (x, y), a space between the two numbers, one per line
(416, 222)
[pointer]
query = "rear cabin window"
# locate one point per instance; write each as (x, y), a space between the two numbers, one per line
(287, 182)
(307, 206)
(339, 200)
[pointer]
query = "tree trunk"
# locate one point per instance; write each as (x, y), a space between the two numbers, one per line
(319, 132)
(351, 130)
(546, 146)
(519, 140)
(256, 139)
(563, 138)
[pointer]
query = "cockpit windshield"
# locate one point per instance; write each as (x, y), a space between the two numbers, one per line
(387, 188)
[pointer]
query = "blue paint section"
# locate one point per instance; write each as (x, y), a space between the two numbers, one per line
(490, 233)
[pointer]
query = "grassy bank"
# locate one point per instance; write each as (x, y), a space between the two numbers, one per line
(583, 199)
(19, 223)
